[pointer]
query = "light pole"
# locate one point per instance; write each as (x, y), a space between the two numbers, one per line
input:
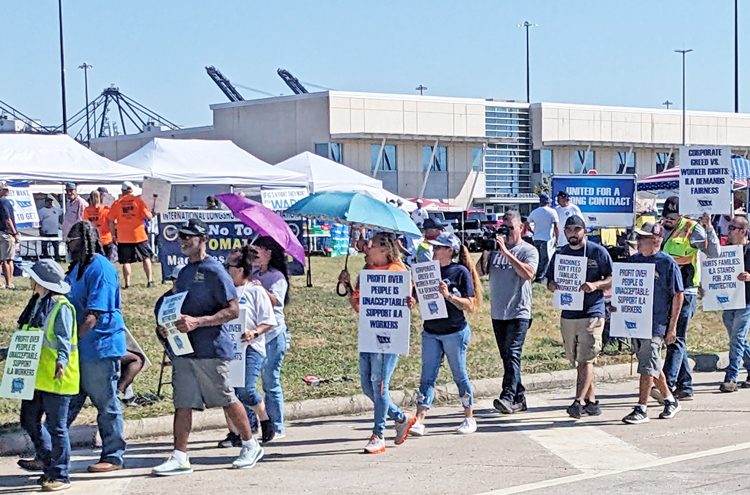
(684, 52)
(62, 69)
(420, 88)
(527, 25)
(667, 103)
(736, 63)
(86, 68)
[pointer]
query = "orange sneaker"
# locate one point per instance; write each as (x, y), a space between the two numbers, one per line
(403, 428)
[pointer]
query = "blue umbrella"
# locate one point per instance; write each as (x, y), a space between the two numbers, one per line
(355, 209)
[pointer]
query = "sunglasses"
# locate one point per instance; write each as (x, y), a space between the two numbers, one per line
(185, 237)
(732, 227)
(228, 265)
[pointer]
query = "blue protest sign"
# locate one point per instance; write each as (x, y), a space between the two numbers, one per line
(605, 201)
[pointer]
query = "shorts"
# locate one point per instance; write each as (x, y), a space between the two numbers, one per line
(133, 252)
(582, 338)
(110, 252)
(199, 383)
(648, 352)
(7, 247)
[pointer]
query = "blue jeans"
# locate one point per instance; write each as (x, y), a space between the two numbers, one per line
(375, 372)
(99, 383)
(51, 440)
(453, 346)
(271, 377)
(541, 269)
(249, 395)
(737, 322)
(676, 366)
(510, 336)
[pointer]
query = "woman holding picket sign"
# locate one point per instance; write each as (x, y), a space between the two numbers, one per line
(376, 369)
(462, 290)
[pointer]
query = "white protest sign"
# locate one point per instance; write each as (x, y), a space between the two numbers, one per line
(705, 180)
(237, 364)
(169, 313)
(384, 318)
(24, 207)
(632, 300)
(19, 379)
(281, 199)
(570, 275)
(719, 280)
(426, 278)
(156, 194)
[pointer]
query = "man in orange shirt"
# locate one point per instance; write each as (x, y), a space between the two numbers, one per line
(98, 214)
(126, 217)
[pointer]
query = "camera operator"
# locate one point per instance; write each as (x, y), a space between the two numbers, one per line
(511, 265)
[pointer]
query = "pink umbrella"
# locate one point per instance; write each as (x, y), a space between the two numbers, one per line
(265, 221)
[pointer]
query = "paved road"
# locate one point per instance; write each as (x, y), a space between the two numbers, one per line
(705, 449)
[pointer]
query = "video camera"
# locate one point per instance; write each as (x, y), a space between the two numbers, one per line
(488, 242)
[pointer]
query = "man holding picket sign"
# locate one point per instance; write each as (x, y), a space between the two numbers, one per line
(582, 324)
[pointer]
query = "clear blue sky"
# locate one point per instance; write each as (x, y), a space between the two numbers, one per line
(599, 52)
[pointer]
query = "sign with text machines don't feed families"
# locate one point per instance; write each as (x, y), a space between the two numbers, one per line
(705, 180)
(604, 200)
(719, 275)
(384, 318)
(632, 300)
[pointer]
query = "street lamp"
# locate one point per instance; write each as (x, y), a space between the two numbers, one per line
(420, 88)
(62, 69)
(527, 25)
(86, 68)
(667, 103)
(736, 63)
(684, 52)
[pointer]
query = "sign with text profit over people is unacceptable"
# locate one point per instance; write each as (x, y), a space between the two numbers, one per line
(169, 313)
(721, 288)
(384, 318)
(239, 348)
(22, 362)
(426, 278)
(604, 200)
(632, 300)
(570, 275)
(705, 180)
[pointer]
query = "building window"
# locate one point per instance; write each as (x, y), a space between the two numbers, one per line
(440, 164)
(590, 162)
(477, 159)
(547, 162)
(625, 162)
(332, 151)
(387, 161)
(664, 161)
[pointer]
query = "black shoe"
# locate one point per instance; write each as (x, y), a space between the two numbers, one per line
(232, 440)
(266, 426)
(137, 401)
(670, 410)
(31, 464)
(520, 406)
(504, 406)
(636, 417)
(575, 410)
(592, 408)
(682, 395)
(43, 480)
(150, 285)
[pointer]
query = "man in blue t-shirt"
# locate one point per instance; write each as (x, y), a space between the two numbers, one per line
(668, 297)
(201, 378)
(582, 330)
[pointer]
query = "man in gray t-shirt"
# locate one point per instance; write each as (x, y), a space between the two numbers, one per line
(511, 268)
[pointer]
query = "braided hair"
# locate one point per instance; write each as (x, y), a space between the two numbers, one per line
(92, 246)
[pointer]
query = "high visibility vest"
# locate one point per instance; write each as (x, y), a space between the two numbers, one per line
(678, 247)
(45, 375)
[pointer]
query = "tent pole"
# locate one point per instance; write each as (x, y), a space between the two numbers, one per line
(309, 260)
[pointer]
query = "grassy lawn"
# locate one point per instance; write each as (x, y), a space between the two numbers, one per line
(324, 340)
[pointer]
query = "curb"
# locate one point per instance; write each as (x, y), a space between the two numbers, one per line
(17, 442)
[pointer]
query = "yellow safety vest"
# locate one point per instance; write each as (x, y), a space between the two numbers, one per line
(678, 247)
(45, 375)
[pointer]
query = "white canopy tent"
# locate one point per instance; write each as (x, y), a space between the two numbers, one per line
(57, 158)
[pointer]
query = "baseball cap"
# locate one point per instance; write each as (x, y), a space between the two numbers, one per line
(671, 207)
(48, 198)
(650, 229)
(127, 185)
(544, 198)
(447, 240)
(3, 185)
(70, 186)
(194, 227)
(562, 194)
(575, 221)
(433, 223)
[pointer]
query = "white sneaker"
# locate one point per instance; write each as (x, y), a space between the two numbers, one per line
(468, 426)
(172, 467)
(248, 457)
(417, 430)
(402, 428)
(376, 445)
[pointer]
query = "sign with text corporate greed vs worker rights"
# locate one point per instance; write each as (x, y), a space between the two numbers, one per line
(384, 318)
(705, 180)
(570, 275)
(169, 313)
(632, 300)
(604, 200)
(426, 278)
(721, 288)
(21, 365)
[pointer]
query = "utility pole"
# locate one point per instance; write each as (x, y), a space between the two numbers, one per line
(420, 88)
(62, 69)
(736, 63)
(684, 52)
(527, 25)
(86, 68)
(667, 103)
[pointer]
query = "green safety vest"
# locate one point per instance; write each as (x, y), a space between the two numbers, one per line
(45, 373)
(678, 247)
